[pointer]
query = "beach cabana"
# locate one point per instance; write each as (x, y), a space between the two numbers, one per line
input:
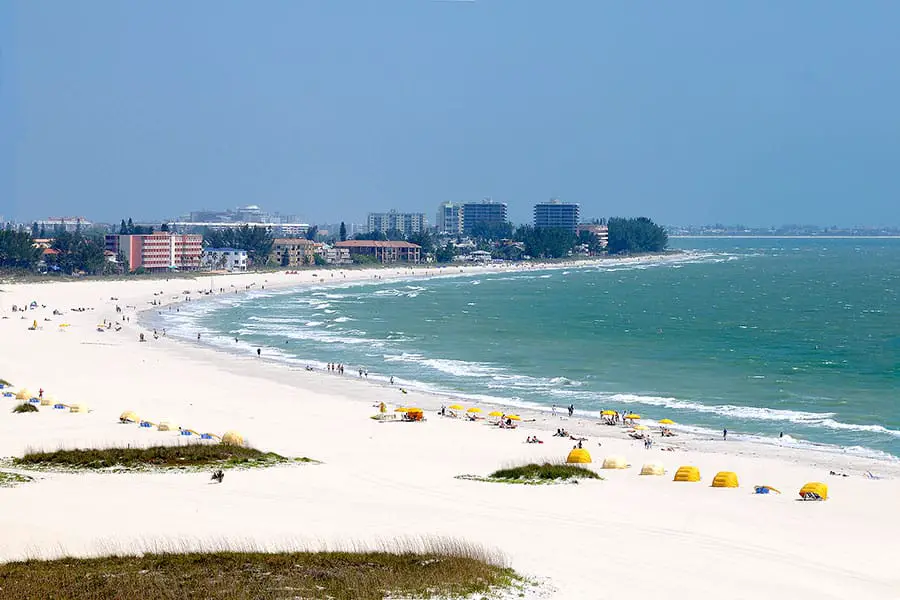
(578, 455)
(653, 468)
(78, 408)
(24, 394)
(725, 479)
(129, 417)
(814, 490)
(615, 462)
(687, 473)
(166, 425)
(233, 438)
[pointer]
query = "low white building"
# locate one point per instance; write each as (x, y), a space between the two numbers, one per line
(335, 256)
(225, 259)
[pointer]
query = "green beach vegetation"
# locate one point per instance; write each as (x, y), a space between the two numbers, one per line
(8, 479)
(537, 474)
(180, 456)
(25, 407)
(443, 569)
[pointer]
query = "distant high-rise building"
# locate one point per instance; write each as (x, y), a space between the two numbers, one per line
(486, 213)
(405, 223)
(556, 214)
(449, 218)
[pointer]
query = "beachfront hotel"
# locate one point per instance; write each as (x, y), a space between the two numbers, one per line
(294, 252)
(160, 251)
(405, 223)
(557, 215)
(383, 252)
(449, 218)
(486, 213)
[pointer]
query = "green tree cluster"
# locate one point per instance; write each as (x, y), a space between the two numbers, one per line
(129, 228)
(17, 250)
(257, 241)
(78, 253)
(636, 235)
(546, 242)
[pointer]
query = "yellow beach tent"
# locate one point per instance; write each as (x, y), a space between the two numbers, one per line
(78, 408)
(725, 479)
(653, 468)
(687, 473)
(166, 425)
(578, 455)
(813, 489)
(615, 462)
(129, 417)
(233, 438)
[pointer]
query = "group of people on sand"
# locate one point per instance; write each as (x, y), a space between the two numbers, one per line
(533, 439)
(336, 368)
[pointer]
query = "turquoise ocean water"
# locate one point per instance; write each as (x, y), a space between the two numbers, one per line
(761, 336)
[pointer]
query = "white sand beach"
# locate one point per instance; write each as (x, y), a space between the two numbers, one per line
(628, 535)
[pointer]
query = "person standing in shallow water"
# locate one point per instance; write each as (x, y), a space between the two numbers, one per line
(724, 434)
(259, 351)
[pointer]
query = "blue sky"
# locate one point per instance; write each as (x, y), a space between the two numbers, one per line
(759, 112)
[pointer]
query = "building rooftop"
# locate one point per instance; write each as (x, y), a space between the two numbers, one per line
(224, 250)
(375, 244)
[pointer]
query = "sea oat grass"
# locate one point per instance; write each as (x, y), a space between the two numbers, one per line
(370, 575)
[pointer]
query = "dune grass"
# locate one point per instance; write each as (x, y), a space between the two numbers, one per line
(177, 456)
(25, 407)
(11, 479)
(447, 570)
(536, 474)
(4, 382)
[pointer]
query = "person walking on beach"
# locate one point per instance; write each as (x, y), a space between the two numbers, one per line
(724, 434)
(198, 336)
(554, 410)
(571, 410)
(259, 351)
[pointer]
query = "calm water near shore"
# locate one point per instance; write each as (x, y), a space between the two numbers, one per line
(761, 336)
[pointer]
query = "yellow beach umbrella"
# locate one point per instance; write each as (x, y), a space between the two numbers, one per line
(401, 409)
(632, 416)
(474, 409)
(608, 413)
(456, 407)
(413, 410)
(495, 413)
(514, 417)
(666, 422)
(641, 427)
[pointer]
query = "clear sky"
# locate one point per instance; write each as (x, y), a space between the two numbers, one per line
(755, 112)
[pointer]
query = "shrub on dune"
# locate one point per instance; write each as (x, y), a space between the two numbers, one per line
(25, 407)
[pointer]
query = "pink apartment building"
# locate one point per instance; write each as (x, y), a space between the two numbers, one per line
(160, 251)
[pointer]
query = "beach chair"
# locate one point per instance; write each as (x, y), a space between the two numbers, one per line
(35, 400)
(146, 424)
(185, 432)
(59, 406)
(205, 436)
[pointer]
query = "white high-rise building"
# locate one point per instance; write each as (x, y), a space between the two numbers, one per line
(405, 223)
(450, 218)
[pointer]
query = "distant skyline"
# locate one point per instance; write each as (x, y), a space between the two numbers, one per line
(759, 113)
